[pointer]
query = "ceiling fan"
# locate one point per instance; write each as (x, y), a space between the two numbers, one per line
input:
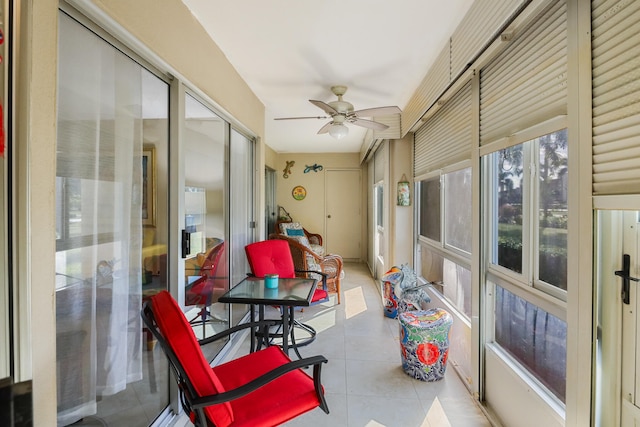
(341, 112)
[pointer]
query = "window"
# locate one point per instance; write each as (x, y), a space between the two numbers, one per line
(509, 189)
(457, 212)
(430, 208)
(552, 210)
(379, 189)
(445, 259)
(534, 337)
(528, 217)
(538, 192)
(379, 231)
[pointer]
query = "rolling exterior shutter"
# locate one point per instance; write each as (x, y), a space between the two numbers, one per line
(526, 84)
(616, 96)
(446, 137)
(477, 29)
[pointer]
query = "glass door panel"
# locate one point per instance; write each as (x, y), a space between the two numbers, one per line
(205, 246)
(111, 225)
(242, 224)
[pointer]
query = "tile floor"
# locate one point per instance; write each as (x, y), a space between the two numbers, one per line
(364, 381)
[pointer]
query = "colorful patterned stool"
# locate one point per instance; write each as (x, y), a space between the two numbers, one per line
(390, 279)
(424, 343)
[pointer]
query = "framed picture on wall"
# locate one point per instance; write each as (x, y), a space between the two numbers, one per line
(149, 185)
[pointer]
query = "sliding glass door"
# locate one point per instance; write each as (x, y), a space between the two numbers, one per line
(111, 225)
(206, 215)
(242, 208)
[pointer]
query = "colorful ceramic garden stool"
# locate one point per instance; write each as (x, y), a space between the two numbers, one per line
(400, 291)
(424, 343)
(415, 298)
(389, 300)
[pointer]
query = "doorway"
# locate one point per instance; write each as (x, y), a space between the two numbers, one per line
(271, 205)
(343, 213)
(617, 355)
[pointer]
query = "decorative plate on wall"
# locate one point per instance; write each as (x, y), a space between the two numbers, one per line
(299, 192)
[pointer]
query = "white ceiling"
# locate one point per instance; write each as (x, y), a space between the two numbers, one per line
(291, 51)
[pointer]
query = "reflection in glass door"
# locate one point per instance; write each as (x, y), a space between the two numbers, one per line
(205, 246)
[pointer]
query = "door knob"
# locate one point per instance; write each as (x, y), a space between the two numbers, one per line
(328, 216)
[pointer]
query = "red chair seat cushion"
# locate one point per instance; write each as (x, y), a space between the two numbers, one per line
(319, 294)
(277, 402)
(179, 334)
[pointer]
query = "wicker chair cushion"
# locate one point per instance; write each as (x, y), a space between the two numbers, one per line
(295, 230)
(286, 226)
(319, 250)
(303, 241)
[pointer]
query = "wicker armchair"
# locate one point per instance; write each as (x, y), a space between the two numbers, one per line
(304, 258)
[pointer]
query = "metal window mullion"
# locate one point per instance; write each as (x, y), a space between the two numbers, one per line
(527, 217)
(443, 237)
(534, 211)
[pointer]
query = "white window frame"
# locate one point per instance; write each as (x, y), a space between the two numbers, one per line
(450, 253)
(526, 284)
(454, 254)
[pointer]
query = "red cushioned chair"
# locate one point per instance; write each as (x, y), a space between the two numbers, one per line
(274, 257)
(264, 388)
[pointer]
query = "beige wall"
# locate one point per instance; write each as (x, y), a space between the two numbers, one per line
(310, 211)
(164, 27)
(35, 117)
(168, 26)
(401, 217)
(270, 158)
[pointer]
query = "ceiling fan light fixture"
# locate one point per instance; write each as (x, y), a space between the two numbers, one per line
(338, 130)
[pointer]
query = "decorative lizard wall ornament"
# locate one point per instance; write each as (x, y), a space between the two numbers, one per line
(287, 169)
(315, 167)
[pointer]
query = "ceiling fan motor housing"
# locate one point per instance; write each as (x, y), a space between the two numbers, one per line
(342, 107)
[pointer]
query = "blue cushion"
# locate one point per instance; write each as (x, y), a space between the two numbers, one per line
(294, 232)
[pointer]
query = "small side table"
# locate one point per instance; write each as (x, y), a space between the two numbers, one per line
(424, 343)
(290, 293)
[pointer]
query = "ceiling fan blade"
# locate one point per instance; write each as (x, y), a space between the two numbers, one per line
(378, 111)
(324, 106)
(370, 124)
(325, 128)
(298, 118)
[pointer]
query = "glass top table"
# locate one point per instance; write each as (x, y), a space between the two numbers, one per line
(296, 292)
(291, 293)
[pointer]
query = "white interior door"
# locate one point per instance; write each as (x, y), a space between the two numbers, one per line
(630, 272)
(343, 217)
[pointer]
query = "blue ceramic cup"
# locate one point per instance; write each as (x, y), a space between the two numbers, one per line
(271, 281)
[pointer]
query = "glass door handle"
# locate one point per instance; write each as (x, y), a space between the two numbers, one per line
(186, 243)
